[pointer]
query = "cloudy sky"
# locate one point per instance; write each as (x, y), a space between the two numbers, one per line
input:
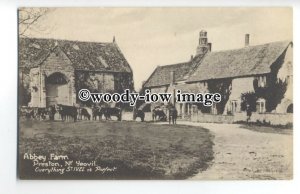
(159, 36)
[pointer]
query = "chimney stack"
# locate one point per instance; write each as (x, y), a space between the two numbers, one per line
(209, 47)
(192, 57)
(172, 77)
(247, 39)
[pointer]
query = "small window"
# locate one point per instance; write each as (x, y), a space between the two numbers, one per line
(233, 106)
(103, 62)
(261, 105)
(75, 46)
(290, 108)
(214, 109)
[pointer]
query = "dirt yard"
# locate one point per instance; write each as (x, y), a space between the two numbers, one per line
(241, 153)
(138, 150)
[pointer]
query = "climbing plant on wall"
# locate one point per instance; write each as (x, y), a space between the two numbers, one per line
(223, 87)
(273, 92)
(24, 93)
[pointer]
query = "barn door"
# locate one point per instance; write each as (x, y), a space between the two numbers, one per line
(57, 94)
(57, 90)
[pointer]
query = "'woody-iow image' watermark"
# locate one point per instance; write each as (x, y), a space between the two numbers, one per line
(207, 99)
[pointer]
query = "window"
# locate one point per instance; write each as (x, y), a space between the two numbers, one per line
(290, 108)
(261, 105)
(188, 109)
(214, 109)
(262, 81)
(233, 106)
(289, 79)
(180, 109)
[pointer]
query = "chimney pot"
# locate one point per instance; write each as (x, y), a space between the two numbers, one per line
(172, 77)
(247, 39)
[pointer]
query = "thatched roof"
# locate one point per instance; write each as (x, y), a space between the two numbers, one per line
(90, 56)
(161, 76)
(252, 60)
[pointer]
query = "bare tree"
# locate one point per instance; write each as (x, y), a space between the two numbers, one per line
(28, 19)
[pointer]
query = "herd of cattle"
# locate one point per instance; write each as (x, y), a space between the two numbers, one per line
(70, 112)
(84, 113)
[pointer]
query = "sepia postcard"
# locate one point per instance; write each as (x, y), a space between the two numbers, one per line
(155, 93)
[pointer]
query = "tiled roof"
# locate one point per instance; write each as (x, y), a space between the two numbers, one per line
(92, 56)
(162, 74)
(252, 60)
(247, 61)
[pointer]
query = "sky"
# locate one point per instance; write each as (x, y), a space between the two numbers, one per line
(149, 37)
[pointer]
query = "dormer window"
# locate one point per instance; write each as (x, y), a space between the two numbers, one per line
(75, 46)
(34, 45)
(103, 62)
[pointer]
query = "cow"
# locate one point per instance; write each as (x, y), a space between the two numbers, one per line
(40, 113)
(112, 111)
(139, 113)
(67, 112)
(172, 115)
(97, 112)
(51, 112)
(26, 112)
(158, 112)
(85, 113)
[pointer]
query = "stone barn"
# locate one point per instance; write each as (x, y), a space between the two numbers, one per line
(261, 75)
(53, 71)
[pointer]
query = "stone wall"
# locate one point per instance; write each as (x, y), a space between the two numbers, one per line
(271, 118)
(56, 62)
(210, 118)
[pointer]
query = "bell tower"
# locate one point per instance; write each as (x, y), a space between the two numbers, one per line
(203, 45)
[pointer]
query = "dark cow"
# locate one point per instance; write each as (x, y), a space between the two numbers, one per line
(97, 112)
(85, 114)
(112, 111)
(67, 112)
(158, 114)
(139, 113)
(51, 112)
(172, 115)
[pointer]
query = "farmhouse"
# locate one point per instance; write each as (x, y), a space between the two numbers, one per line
(259, 76)
(53, 71)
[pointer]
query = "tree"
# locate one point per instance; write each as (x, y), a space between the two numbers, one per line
(28, 19)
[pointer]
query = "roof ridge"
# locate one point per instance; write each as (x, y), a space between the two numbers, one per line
(82, 58)
(252, 46)
(181, 63)
(55, 39)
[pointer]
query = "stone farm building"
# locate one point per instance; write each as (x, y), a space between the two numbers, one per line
(260, 76)
(53, 71)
